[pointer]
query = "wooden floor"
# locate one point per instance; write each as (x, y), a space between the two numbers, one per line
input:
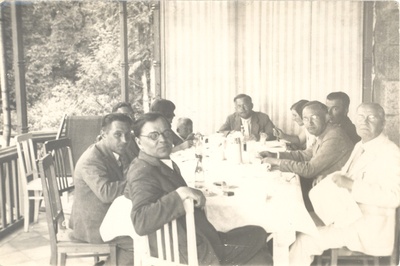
(32, 248)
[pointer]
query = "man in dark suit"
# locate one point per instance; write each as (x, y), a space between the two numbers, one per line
(167, 109)
(246, 120)
(99, 179)
(338, 106)
(126, 108)
(329, 153)
(157, 191)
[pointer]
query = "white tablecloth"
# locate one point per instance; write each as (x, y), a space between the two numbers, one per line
(272, 200)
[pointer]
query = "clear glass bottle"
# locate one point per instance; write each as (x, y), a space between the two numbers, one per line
(199, 179)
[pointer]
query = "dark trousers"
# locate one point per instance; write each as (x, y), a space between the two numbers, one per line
(246, 246)
(124, 251)
(306, 185)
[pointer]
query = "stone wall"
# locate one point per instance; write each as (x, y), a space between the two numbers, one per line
(386, 64)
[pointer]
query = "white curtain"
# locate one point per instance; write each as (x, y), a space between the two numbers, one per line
(278, 52)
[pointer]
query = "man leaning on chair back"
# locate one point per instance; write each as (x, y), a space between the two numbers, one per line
(372, 176)
(99, 179)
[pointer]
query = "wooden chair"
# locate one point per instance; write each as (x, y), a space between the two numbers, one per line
(30, 181)
(82, 130)
(167, 243)
(344, 254)
(61, 150)
(65, 248)
(117, 222)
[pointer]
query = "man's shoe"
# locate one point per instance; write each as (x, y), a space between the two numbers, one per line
(100, 263)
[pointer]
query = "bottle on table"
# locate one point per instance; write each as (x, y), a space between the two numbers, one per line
(199, 179)
(243, 146)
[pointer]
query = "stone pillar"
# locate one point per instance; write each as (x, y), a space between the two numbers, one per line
(386, 64)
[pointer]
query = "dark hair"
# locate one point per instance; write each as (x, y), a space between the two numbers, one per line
(298, 107)
(242, 95)
(185, 121)
(120, 105)
(163, 106)
(108, 119)
(322, 108)
(144, 118)
(339, 95)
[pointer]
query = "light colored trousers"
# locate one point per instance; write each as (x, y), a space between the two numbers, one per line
(305, 247)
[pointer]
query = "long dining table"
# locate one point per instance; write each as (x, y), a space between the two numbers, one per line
(249, 193)
(238, 193)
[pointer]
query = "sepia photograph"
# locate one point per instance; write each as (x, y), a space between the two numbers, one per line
(199, 132)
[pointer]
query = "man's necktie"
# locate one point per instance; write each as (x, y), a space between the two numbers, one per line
(120, 164)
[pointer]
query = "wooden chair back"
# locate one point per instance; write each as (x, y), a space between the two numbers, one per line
(26, 157)
(57, 224)
(117, 222)
(61, 150)
(82, 130)
(167, 243)
(29, 176)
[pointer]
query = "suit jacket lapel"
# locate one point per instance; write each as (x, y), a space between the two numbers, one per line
(238, 122)
(364, 160)
(110, 159)
(255, 125)
(173, 176)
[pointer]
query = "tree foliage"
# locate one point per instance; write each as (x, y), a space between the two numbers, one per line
(72, 57)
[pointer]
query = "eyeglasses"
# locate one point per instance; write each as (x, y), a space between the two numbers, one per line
(311, 118)
(155, 135)
(369, 118)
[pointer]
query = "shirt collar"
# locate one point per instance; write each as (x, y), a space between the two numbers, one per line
(116, 155)
(374, 143)
(168, 162)
(248, 120)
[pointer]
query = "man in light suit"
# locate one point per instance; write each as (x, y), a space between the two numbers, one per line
(157, 191)
(372, 176)
(99, 179)
(246, 120)
(329, 153)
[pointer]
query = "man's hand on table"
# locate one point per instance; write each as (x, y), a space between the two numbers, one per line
(191, 193)
(264, 154)
(272, 161)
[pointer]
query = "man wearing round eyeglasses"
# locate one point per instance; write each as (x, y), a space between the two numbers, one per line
(372, 177)
(157, 191)
(244, 119)
(328, 154)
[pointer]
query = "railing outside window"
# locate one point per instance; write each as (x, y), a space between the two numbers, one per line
(11, 201)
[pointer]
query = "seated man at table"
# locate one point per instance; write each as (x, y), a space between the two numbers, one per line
(126, 108)
(372, 176)
(167, 108)
(157, 191)
(184, 128)
(329, 153)
(338, 106)
(99, 179)
(245, 119)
